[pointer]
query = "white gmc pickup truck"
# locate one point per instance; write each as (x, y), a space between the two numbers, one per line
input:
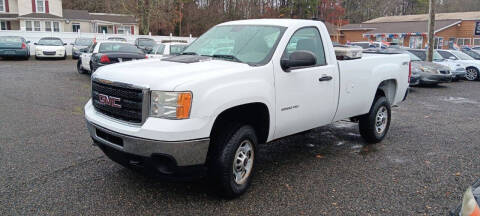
(239, 85)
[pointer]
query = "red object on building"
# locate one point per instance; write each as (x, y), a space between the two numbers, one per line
(132, 30)
(7, 8)
(34, 6)
(47, 8)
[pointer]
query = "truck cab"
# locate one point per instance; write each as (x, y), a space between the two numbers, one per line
(239, 85)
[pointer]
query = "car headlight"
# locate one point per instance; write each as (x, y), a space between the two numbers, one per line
(170, 105)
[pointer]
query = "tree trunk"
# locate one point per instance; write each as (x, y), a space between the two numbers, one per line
(431, 31)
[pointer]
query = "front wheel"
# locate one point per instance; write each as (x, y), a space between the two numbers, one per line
(232, 160)
(80, 70)
(472, 74)
(374, 125)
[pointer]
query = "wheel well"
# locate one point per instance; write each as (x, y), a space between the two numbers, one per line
(473, 68)
(254, 114)
(387, 88)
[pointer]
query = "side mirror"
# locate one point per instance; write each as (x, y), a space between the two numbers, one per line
(298, 59)
(64, 44)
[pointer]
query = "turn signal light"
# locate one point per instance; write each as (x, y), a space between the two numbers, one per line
(105, 59)
(184, 103)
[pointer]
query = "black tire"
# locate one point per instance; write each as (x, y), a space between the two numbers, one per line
(368, 123)
(37, 58)
(65, 56)
(80, 70)
(92, 70)
(222, 157)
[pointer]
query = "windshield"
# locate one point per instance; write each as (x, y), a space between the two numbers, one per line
(10, 40)
(118, 47)
(252, 44)
(50, 42)
(177, 49)
(146, 42)
(157, 49)
(422, 54)
(472, 54)
(83, 41)
(413, 57)
(462, 55)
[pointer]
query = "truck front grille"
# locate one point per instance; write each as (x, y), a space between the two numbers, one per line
(123, 103)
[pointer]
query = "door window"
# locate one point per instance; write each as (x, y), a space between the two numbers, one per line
(28, 25)
(3, 24)
(37, 25)
(307, 39)
(447, 55)
(56, 27)
(48, 26)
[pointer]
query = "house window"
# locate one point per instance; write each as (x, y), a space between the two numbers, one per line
(476, 42)
(451, 43)
(40, 6)
(438, 43)
(3, 25)
(124, 30)
(416, 42)
(37, 26)
(28, 25)
(76, 27)
(56, 27)
(464, 42)
(2, 6)
(48, 26)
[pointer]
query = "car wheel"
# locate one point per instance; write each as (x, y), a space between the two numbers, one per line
(92, 70)
(231, 160)
(64, 56)
(37, 58)
(80, 70)
(374, 125)
(472, 74)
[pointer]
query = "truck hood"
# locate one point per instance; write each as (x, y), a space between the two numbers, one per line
(157, 74)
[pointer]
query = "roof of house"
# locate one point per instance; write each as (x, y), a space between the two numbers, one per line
(116, 18)
(76, 14)
(474, 15)
(8, 15)
(400, 27)
(40, 16)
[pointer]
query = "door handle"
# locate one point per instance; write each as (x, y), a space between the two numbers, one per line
(325, 78)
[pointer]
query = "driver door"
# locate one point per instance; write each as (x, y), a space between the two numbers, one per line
(306, 97)
(86, 57)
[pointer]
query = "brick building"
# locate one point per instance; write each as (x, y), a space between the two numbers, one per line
(411, 30)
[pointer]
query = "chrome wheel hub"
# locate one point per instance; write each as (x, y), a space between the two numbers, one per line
(243, 162)
(472, 74)
(381, 120)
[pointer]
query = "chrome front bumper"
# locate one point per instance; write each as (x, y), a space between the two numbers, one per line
(185, 153)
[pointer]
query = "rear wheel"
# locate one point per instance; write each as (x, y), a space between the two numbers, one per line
(472, 74)
(232, 159)
(374, 125)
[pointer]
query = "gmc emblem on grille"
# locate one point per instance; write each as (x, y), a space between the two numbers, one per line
(109, 100)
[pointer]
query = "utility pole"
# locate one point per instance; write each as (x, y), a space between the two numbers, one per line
(431, 30)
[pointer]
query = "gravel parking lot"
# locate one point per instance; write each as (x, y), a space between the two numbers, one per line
(49, 166)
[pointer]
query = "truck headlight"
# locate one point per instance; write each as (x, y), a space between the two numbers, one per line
(170, 105)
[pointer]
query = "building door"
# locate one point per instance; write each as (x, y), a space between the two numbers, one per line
(102, 29)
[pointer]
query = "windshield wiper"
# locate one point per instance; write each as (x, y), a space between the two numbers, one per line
(189, 53)
(228, 57)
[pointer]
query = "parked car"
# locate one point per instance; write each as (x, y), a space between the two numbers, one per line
(14, 47)
(105, 53)
(162, 50)
(50, 47)
(369, 45)
(145, 44)
(457, 69)
(474, 54)
(428, 73)
(202, 112)
(117, 39)
(472, 65)
(80, 43)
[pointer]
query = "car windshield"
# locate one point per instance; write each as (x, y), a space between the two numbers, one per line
(413, 57)
(252, 44)
(157, 49)
(118, 47)
(472, 54)
(84, 42)
(10, 40)
(50, 42)
(422, 54)
(462, 55)
(177, 49)
(146, 42)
